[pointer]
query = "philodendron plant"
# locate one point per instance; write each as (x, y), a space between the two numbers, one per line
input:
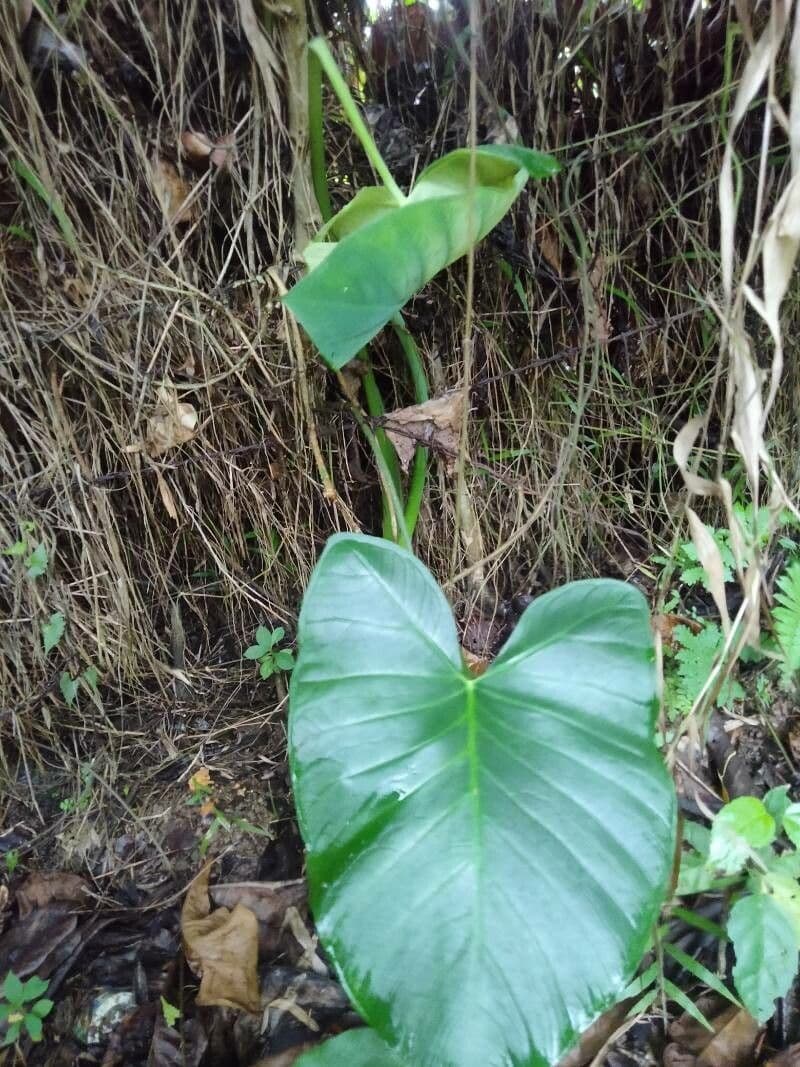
(486, 855)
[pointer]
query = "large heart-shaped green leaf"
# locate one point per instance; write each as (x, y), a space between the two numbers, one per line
(356, 1048)
(387, 250)
(486, 856)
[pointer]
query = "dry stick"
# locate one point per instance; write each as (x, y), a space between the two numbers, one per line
(295, 344)
(467, 524)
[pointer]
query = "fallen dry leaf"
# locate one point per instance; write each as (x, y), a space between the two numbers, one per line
(665, 624)
(42, 889)
(733, 1045)
(200, 780)
(790, 1057)
(172, 192)
(196, 146)
(268, 901)
(171, 424)
(435, 424)
(222, 948)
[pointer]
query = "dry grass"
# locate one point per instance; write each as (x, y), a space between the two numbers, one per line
(587, 359)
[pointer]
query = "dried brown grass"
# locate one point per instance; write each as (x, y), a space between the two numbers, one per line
(164, 565)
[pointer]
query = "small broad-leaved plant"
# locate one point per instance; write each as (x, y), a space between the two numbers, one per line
(384, 246)
(268, 657)
(486, 856)
(23, 1007)
(738, 854)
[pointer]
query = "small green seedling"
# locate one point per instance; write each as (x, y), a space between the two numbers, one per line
(739, 855)
(11, 860)
(264, 651)
(53, 631)
(170, 1012)
(23, 1007)
(72, 804)
(35, 555)
(70, 685)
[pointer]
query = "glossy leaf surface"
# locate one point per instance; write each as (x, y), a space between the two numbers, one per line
(386, 251)
(356, 1048)
(486, 856)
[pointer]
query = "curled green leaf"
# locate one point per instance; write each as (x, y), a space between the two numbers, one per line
(387, 250)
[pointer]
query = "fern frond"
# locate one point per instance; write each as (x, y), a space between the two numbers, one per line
(786, 616)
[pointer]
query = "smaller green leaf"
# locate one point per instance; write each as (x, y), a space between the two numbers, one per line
(697, 836)
(37, 561)
(701, 973)
(641, 982)
(785, 891)
(42, 1008)
(69, 687)
(267, 667)
(34, 988)
(277, 636)
(776, 802)
(700, 922)
(19, 548)
(12, 1034)
(680, 998)
(787, 863)
(741, 826)
(33, 1024)
(355, 1048)
(284, 660)
(766, 953)
(264, 637)
(50, 198)
(53, 631)
(89, 677)
(171, 1013)
(694, 876)
(13, 989)
(791, 822)
(254, 652)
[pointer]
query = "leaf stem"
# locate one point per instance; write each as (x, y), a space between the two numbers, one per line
(316, 137)
(319, 47)
(419, 472)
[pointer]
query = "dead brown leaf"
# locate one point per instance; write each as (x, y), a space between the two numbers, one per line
(171, 424)
(664, 626)
(268, 901)
(734, 1043)
(224, 152)
(435, 424)
(196, 146)
(172, 192)
(790, 1057)
(55, 887)
(222, 948)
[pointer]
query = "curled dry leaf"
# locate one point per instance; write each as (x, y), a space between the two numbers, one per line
(709, 555)
(268, 901)
(222, 948)
(196, 146)
(172, 192)
(42, 889)
(435, 424)
(200, 149)
(171, 424)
